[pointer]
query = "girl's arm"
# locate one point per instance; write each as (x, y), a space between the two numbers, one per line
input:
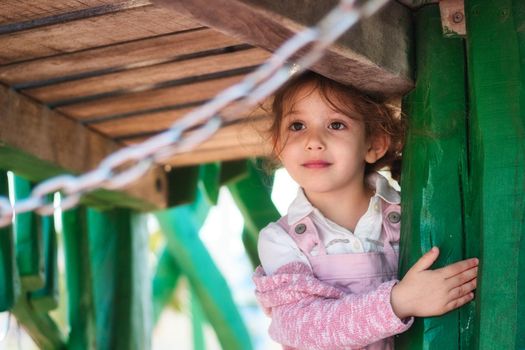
(308, 313)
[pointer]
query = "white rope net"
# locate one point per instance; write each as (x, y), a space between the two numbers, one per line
(128, 164)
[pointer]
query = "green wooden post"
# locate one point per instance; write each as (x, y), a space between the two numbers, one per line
(197, 322)
(252, 194)
(181, 226)
(164, 282)
(496, 229)
(78, 280)
(118, 244)
(46, 299)
(29, 243)
(8, 272)
(434, 168)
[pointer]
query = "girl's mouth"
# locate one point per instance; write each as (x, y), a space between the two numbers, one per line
(316, 164)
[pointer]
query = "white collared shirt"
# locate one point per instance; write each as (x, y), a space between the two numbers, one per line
(276, 248)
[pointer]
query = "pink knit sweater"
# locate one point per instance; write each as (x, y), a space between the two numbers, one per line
(309, 314)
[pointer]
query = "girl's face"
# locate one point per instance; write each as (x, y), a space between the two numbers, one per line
(323, 150)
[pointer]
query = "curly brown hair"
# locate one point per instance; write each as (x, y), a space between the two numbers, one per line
(379, 117)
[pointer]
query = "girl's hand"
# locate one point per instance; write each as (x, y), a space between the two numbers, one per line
(423, 292)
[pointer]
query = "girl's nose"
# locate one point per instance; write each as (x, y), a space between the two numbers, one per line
(315, 142)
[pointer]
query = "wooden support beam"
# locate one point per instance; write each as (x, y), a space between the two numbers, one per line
(434, 170)
(374, 56)
(8, 271)
(167, 275)
(119, 265)
(81, 317)
(29, 242)
(46, 299)
(496, 225)
(38, 143)
(252, 195)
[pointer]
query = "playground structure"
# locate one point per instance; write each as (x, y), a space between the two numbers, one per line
(83, 79)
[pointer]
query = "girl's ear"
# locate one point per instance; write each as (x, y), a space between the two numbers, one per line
(378, 146)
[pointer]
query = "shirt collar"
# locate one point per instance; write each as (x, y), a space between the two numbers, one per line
(301, 206)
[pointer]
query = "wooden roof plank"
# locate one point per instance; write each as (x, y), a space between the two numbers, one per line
(148, 21)
(236, 141)
(147, 77)
(21, 15)
(148, 100)
(117, 57)
(373, 56)
(37, 143)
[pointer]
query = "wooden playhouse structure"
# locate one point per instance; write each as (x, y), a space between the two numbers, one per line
(81, 79)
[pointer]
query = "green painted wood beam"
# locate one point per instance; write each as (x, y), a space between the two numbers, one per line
(29, 242)
(165, 281)
(181, 226)
(434, 168)
(209, 175)
(9, 284)
(78, 280)
(118, 251)
(40, 327)
(46, 298)
(496, 229)
(197, 322)
(252, 194)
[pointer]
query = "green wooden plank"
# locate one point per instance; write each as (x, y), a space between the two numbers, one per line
(118, 250)
(252, 194)
(46, 299)
(165, 280)
(434, 168)
(29, 242)
(496, 51)
(181, 226)
(40, 327)
(233, 171)
(78, 280)
(197, 321)
(209, 176)
(8, 272)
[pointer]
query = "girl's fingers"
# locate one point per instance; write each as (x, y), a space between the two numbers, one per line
(458, 267)
(464, 289)
(463, 277)
(454, 304)
(426, 260)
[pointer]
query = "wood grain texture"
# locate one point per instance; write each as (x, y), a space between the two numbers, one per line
(496, 227)
(40, 143)
(381, 66)
(148, 77)
(23, 16)
(147, 100)
(148, 21)
(117, 57)
(244, 139)
(434, 172)
(13, 11)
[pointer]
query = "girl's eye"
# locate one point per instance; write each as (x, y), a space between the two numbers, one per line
(337, 126)
(296, 126)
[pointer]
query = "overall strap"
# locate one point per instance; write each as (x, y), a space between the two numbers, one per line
(305, 235)
(391, 223)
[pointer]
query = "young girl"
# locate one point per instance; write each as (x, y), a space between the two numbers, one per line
(329, 267)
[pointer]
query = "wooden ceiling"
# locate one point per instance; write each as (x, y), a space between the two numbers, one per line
(81, 78)
(125, 69)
